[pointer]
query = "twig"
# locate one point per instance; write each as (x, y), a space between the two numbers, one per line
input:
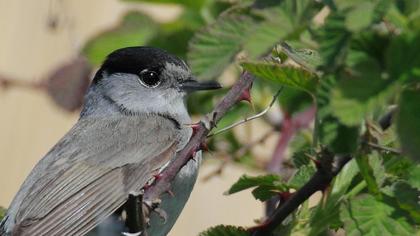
(249, 118)
(9, 82)
(201, 131)
(319, 181)
(383, 148)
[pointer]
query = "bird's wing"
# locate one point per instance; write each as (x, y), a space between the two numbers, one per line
(90, 172)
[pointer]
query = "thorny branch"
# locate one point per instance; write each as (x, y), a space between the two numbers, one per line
(319, 181)
(328, 168)
(239, 91)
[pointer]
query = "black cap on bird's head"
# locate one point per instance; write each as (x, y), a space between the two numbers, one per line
(149, 63)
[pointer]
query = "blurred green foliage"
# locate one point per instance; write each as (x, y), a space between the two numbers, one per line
(360, 59)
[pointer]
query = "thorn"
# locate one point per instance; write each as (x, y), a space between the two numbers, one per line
(315, 161)
(194, 152)
(204, 146)
(284, 196)
(194, 127)
(158, 176)
(246, 95)
(170, 193)
(146, 186)
(162, 214)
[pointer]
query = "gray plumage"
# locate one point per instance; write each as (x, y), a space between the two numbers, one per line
(132, 124)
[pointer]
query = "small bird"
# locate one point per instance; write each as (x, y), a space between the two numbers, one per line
(133, 122)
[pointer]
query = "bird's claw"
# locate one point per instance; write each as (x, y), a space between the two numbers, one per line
(153, 206)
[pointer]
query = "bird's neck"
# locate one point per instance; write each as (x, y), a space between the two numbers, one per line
(98, 104)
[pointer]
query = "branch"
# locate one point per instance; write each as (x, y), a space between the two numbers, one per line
(319, 181)
(238, 92)
(9, 82)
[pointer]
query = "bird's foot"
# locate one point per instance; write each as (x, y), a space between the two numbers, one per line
(153, 206)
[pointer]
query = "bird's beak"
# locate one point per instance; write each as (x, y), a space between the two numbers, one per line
(191, 85)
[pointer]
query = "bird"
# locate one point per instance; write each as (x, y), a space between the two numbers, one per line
(133, 122)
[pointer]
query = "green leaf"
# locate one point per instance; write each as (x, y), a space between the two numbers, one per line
(372, 171)
(294, 100)
(368, 216)
(408, 122)
(263, 193)
(360, 16)
(225, 230)
(414, 176)
(245, 182)
(334, 40)
(402, 57)
(337, 137)
(327, 216)
(290, 76)
(307, 58)
(362, 92)
(407, 198)
(301, 176)
(267, 33)
(344, 178)
(134, 30)
(213, 49)
(300, 158)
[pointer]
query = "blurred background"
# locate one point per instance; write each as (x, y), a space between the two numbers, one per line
(43, 72)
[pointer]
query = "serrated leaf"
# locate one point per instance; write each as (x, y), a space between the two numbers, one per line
(267, 33)
(246, 182)
(225, 230)
(368, 216)
(290, 76)
(408, 122)
(300, 158)
(334, 40)
(301, 176)
(408, 199)
(213, 49)
(307, 58)
(134, 30)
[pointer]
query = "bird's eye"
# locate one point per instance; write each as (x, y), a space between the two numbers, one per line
(149, 78)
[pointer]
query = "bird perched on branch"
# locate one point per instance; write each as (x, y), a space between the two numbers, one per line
(132, 124)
